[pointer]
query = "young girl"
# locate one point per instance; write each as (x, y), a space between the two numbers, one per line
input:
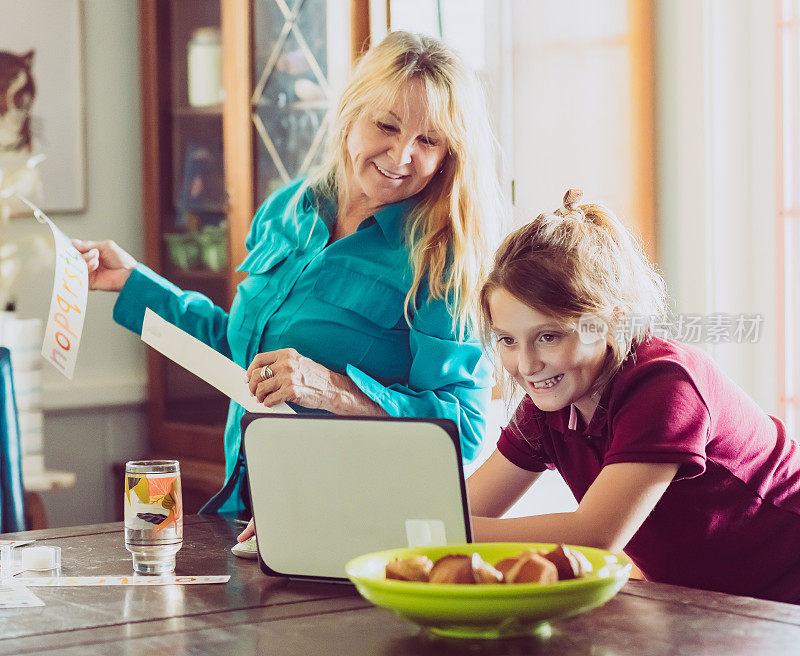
(668, 458)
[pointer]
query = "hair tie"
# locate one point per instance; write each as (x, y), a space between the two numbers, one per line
(570, 208)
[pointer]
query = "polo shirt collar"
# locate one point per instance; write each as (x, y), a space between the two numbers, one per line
(560, 419)
(598, 425)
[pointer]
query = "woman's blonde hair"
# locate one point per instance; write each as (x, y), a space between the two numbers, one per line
(453, 227)
(581, 260)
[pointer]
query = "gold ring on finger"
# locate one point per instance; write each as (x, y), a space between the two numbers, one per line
(266, 372)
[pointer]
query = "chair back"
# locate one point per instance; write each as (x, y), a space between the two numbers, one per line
(12, 511)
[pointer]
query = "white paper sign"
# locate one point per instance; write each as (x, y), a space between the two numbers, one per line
(62, 337)
(203, 361)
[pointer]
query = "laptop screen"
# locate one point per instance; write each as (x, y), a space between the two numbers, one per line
(325, 489)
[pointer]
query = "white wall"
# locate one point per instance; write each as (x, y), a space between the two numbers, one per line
(97, 418)
(716, 172)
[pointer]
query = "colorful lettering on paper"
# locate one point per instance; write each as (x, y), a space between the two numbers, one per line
(65, 321)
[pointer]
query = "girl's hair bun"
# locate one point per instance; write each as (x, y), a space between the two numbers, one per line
(571, 199)
(570, 208)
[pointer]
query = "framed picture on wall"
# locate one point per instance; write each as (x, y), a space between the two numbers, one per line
(41, 99)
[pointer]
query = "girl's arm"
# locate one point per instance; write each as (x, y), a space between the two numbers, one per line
(612, 510)
(497, 485)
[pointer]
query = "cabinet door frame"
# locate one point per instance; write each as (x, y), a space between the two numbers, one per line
(237, 129)
(155, 110)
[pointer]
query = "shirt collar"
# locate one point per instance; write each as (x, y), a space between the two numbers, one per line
(323, 206)
(392, 220)
(559, 420)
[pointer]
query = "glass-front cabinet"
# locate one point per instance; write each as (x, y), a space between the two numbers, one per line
(236, 101)
(298, 64)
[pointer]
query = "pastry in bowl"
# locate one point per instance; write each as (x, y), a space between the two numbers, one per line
(476, 607)
(531, 566)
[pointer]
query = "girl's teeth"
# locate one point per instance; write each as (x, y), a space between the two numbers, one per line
(549, 382)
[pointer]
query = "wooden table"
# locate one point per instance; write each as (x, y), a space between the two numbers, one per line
(255, 614)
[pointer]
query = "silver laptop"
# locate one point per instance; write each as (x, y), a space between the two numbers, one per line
(326, 488)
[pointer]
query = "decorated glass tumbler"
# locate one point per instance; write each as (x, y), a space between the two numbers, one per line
(153, 514)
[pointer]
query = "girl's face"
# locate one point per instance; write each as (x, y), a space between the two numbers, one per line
(545, 356)
(394, 152)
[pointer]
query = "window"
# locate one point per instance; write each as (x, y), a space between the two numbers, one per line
(788, 207)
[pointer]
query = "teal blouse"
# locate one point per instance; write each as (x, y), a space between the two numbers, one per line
(340, 304)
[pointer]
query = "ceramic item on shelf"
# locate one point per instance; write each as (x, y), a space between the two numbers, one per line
(204, 67)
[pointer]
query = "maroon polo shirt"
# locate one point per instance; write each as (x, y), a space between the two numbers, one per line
(730, 519)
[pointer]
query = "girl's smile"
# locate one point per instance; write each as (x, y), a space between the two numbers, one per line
(547, 384)
(545, 355)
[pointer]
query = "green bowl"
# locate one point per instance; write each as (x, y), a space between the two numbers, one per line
(492, 610)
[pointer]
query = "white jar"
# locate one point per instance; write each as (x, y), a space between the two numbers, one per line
(204, 67)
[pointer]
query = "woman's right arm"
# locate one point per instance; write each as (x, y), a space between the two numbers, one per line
(497, 485)
(109, 265)
(113, 269)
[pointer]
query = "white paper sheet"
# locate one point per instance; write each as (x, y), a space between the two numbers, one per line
(77, 581)
(16, 595)
(62, 336)
(203, 361)
(15, 543)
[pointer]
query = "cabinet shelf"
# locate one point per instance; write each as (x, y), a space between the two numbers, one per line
(174, 273)
(214, 111)
(208, 208)
(297, 106)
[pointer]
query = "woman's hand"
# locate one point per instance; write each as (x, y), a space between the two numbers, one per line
(294, 378)
(298, 379)
(249, 532)
(109, 266)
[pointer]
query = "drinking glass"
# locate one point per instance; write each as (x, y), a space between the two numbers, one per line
(153, 514)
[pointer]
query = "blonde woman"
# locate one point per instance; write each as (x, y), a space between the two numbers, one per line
(362, 279)
(667, 457)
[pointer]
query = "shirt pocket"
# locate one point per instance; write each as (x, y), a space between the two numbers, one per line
(255, 295)
(370, 296)
(266, 255)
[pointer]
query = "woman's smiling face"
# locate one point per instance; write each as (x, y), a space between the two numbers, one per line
(394, 152)
(545, 356)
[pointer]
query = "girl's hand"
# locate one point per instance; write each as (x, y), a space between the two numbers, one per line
(249, 532)
(295, 378)
(109, 266)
